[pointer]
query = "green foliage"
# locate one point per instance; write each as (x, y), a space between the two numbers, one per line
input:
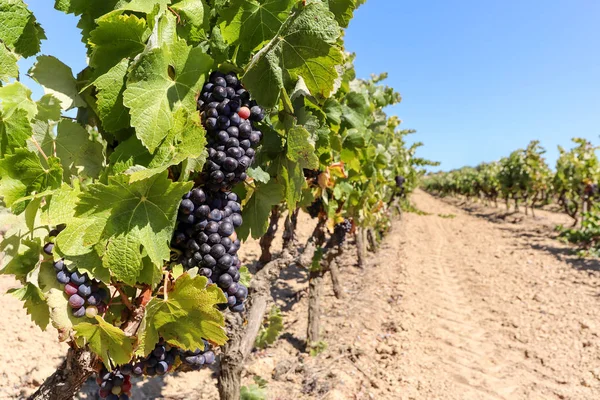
(114, 175)
(317, 348)
(185, 317)
(587, 236)
(268, 334)
(109, 342)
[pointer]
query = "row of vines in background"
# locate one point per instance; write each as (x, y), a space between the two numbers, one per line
(525, 178)
(198, 124)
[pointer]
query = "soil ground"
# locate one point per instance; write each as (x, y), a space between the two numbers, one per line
(467, 302)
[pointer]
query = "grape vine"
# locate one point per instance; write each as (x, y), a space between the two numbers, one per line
(194, 120)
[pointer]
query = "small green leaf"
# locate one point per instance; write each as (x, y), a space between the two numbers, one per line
(188, 316)
(8, 64)
(343, 10)
(14, 131)
(300, 148)
(249, 23)
(78, 154)
(252, 392)
(117, 37)
(57, 80)
(48, 108)
(185, 140)
(258, 208)
(34, 302)
(268, 334)
(292, 178)
(195, 16)
(14, 97)
(19, 29)
(108, 342)
(23, 174)
(111, 86)
(245, 276)
(258, 174)
(25, 260)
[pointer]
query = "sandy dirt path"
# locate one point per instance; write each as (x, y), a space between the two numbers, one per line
(467, 302)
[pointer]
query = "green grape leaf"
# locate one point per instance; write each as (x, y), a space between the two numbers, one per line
(249, 23)
(19, 29)
(163, 80)
(185, 140)
(57, 80)
(117, 37)
(186, 317)
(252, 392)
(78, 154)
(74, 245)
(110, 87)
(110, 343)
(34, 302)
(25, 259)
(304, 46)
(195, 16)
(333, 110)
(245, 276)
(257, 209)
(8, 64)
(292, 178)
(143, 6)
(60, 207)
(150, 274)
(300, 149)
(48, 108)
(343, 10)
(142, 216)
(22, 174)
(269, 334)
(14, 97)
(258, 174)
(14, 131)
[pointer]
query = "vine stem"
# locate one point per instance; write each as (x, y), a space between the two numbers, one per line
(124, 298)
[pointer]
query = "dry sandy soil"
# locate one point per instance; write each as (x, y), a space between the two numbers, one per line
(467, 302)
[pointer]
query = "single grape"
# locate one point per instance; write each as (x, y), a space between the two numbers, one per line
(91, 311)
(48, 248)
(76, 301)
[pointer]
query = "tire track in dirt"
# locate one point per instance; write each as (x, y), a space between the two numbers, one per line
(475, 331)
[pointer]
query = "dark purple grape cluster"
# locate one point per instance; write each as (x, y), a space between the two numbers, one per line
(399, 181)
(115, 384)
(87, 297)
(229, 117)
(158, 362)
(342, 229)
(199, 358)
(206, 238)
(315, 208)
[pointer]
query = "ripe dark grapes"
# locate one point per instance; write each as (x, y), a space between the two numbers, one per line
(86, 296)
(116, 384)
(342, 229)
(229, 116)
(197, 359)
(210, 242)
(315, 208)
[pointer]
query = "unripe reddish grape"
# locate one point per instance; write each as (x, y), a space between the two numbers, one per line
(71, 289)
(244, 112)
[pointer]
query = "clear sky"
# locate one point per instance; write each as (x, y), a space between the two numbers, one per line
(478, 78)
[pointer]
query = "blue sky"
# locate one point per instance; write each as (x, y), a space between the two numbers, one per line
(478, 78)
